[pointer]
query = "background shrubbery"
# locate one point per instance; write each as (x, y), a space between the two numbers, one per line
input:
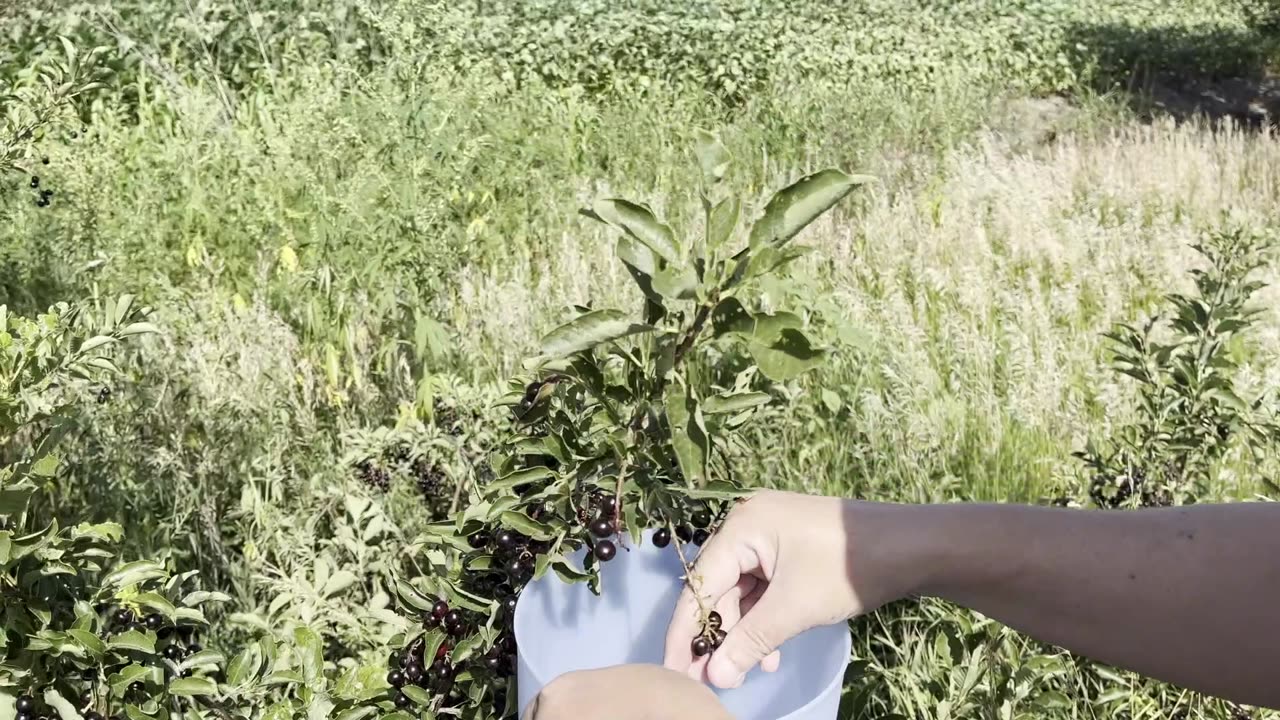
(352, 220)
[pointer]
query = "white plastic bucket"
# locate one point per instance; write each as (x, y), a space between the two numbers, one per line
(562, 627)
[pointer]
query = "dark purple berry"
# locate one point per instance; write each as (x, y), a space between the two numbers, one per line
(194, 648)
(442, 670)
(493, 662)
(35, 181)
(124, 617)
(23, 716)
(478, 540)
(396, 679)
(701, 519)
(403, 701)
(44, 160)
(516, 570)
(661, 538)
(413, 672)
(700, 536)
(609, 505)
(25, 704)
(452, 618)
(684, 532)
(506, 540)
(602, 527)
(717, 638)
(155, 621)
(441, 609)
(508, 644)
(430, 621)
(714, 621)
(86, 698)
(404, 659)
(509, 605)
(173, 652)
(700, 646)
(92, 715)
(605, 550)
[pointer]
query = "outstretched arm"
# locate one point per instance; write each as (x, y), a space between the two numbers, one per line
(1186, 595)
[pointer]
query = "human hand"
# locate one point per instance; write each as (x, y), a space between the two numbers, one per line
(625, 692)
(783, 563)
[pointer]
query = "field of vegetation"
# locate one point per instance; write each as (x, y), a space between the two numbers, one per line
(270, 273)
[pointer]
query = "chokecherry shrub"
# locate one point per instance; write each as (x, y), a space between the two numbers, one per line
(622, 425)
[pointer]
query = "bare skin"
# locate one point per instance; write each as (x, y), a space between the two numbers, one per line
(1184, 595)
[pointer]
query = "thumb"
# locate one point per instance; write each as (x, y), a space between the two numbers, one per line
(755, 636)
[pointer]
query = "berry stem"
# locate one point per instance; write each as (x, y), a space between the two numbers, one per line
(688, 578)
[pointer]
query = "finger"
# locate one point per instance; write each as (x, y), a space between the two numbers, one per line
(722, 563)
(730, 609)
(732, 612)
(772, 662)
(757, 635)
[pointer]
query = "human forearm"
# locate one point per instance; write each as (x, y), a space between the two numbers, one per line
(1187, 595)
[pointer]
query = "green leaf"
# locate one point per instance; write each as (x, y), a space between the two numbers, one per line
(676, 285)
(588, 330)
(410, 596)
(127, 676)
(211, 658)
(13, 500)
(188, 687)
(138, 328)
(713, 158)
(134, 572)
(244, 666)
(88, 641)
(159, 603)
(46, 466)
(133, 640)
(797, 205)
(568, 573)
(688, 440)
(310, 652)
(639, 222)
(358, 712)
(6, 545)
(734, 402)
(788, 357)
(65, 709)
(527, 526)
(724, 218)
(416, 694)
(107, 532)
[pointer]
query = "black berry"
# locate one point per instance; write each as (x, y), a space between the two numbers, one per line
(700, 536)
(404, 659)
(395, 679)
(430, 621)
(413, 672)
(717, 638)
(25, 704)
(44, 160)
(685, 533)
(442, 670)
(605, 550)
(155, 621)
(661, 538)
(602, 527)
(516, 569)
(86, 698)
(700, 646)
(478, 540)
(509, 605)
(92, 715)
(173, 652)
(714, 621)
(23, 716)
(124, 617)
(35, 181)
(402, 700)
(493, 662)
(452, 618)
(609, 505)
(506, 540)
(509, 644)
(441, 609)
(194, 648)
(701, 519)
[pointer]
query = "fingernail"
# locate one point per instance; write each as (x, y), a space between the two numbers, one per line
(738, 683)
